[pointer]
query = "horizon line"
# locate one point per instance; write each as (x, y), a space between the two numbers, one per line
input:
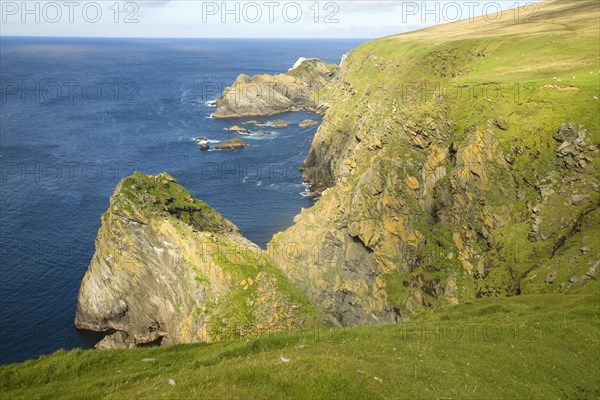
(187, 37)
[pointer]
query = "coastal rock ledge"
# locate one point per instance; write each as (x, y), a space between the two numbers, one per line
(168, 269)
(303, 87)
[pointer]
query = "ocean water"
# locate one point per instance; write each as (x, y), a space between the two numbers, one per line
(77, 115)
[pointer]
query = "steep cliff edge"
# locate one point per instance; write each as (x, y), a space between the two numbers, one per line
(456, 162)
(168, 269)
(303, 87)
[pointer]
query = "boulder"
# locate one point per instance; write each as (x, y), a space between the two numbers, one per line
(580, 199)
(117, 340)
(203, 142)
(567, 132)
(499, 123)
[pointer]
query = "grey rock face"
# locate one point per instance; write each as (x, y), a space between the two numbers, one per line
(300, 88)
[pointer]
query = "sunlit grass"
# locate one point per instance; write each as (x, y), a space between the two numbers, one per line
(529, 347)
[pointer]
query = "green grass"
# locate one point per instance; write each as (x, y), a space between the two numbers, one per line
(244, 264)
(163, 196)
(527, 347)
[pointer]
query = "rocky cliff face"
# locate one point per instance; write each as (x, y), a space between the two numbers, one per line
(446, 172)
(168, 269)
(304, 87)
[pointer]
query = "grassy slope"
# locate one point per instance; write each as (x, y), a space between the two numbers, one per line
(538, 346)
(560, 48)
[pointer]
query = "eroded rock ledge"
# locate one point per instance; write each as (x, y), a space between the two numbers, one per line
(303, 87)
(169, 269)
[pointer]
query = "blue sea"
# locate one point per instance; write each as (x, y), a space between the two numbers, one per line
(78, 115)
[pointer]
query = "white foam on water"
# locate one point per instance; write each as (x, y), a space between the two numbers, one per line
(306, 191)
(196, 140)
(258, 136)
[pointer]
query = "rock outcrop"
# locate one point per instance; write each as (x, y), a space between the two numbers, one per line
(231, 144)
(168, 269)
(237, 129)
(304, 87)
(279, 124)
(307, 123)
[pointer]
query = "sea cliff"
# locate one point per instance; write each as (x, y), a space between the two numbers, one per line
(169, 269)
(456, 162)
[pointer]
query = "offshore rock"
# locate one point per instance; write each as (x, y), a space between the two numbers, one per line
(307, 123)
(301, 88)
(279, 124)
